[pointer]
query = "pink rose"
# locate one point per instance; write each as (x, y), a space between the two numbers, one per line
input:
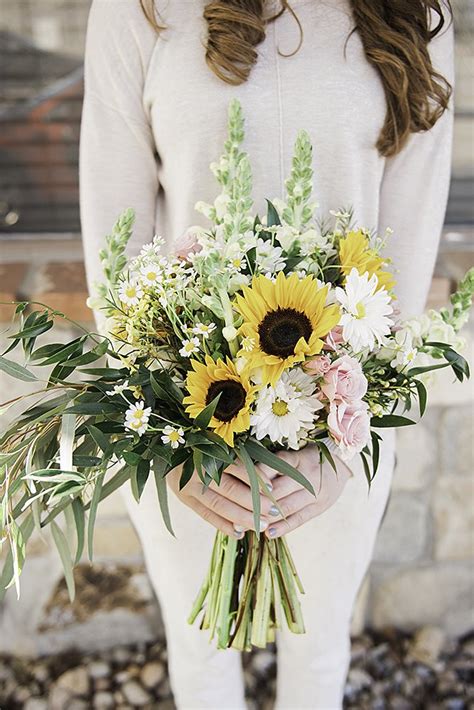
(187, 243)
(344, 381)
(318, 366)
(349, 426)
(333, 339)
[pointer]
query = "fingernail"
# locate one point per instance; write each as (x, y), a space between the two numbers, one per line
(269, 487)
(263, 525)
(274, 511)
(272, 532)
(238, 529)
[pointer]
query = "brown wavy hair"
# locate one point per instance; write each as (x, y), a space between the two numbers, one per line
(395, 35)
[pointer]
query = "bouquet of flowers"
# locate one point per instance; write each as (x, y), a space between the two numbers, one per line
(254, 336)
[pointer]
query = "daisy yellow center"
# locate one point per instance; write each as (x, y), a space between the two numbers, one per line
(361, 312)
(189, 347)
(151, 275)
(173, 436)
(131, 292)
(138, 415)
(232, 398)
(281, 329)
(280, 408)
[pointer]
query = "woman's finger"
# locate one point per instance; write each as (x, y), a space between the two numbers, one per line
(293, 503)
(293, 521)
(238, 492)
(239, 471)
(213, 518)
(230, 511)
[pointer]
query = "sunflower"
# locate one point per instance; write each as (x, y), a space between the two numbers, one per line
(284, 322)
(206, 381)
(355, 253)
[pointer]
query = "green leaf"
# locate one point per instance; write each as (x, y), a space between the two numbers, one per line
(79, 519)
(390, 420)
(96, 497)
(375, 452)
(139, 477)
(33, 331)
(98, 436)
(326, 454)
(254, 487)
(273, 218)
(159, 471)
(94, 408)
(65, 555)
(422, 396)
(365, 464)
(188, 470)
(17, 371)
(262, 455)
(59, 352)
(9, 573)
(91, 356)
(428, 368)
(204, 417)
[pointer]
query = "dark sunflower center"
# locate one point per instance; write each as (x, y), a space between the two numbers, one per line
(232, 398)
(280, 330)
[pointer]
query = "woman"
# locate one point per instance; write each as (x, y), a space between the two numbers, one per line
(369, 81)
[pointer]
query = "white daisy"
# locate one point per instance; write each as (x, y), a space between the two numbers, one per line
(365, 311)
(137, 416)
(204, 329)
(173, 437)
(287, 412)
(190, 347)
(118, 389)
(150, 274)
(130, 293)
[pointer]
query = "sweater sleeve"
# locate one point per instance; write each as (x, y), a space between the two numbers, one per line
(117, 166)
(414, 194)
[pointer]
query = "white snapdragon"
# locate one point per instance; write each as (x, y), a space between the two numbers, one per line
(268, 257)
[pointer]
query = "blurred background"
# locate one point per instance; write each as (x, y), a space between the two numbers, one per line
(414, 617)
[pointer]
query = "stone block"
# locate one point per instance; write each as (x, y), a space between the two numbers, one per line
(62, 286)
(404, 533)
(416, 457)
(453, 509)
(457, 441)
(11, 279)
(437, 595)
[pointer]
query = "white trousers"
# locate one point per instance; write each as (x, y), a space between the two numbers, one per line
(331, 553)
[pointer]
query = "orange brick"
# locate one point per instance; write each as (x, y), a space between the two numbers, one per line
(66, 290)
(11, 279)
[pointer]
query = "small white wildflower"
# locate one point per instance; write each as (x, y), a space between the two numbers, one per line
(150, 274)
(137, 416)
(118, 389)
(204, 329)
(173, 437)
(190, 347)
(248, 344)
(130, 293)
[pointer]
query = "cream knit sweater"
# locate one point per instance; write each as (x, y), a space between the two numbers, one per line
(155, 117)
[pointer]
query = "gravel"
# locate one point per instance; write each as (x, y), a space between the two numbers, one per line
(389, 671)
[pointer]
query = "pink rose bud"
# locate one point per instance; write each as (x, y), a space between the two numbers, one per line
(333, 339)
(187, 243)
(344, 381)
(318, 366)
(349, 426)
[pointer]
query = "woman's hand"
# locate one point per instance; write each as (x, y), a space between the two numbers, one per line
(226, 505)
(297, 504)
